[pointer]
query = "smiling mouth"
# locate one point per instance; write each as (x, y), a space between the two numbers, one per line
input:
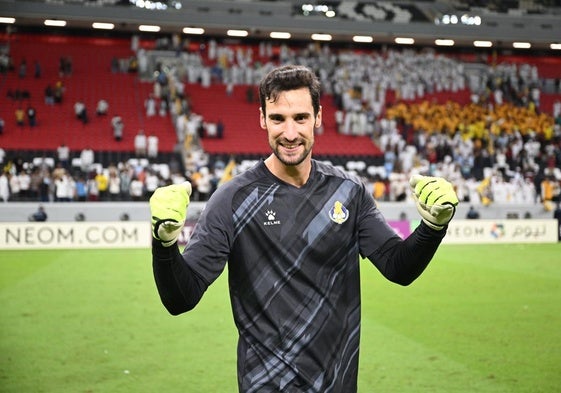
(290, 146)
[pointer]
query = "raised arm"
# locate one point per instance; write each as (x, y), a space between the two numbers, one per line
(402, 261)
(179, 287)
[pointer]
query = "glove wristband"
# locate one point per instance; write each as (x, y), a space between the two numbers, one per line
(156, 226)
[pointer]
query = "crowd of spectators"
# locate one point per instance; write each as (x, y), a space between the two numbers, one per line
(501, 147)
(57, 181)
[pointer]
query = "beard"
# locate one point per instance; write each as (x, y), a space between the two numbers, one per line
(291, 158)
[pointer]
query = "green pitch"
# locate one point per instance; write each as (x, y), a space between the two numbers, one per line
(481, 319)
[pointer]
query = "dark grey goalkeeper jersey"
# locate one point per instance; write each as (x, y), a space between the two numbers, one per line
(293, 265)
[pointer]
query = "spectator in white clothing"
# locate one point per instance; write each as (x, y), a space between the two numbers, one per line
(136, 189)
(24, 184)
(81, 111)
(86, 159)
(63, 153)
(204, 184)
(102, 107)
(14, 187)
(150, 105)
(114, 186)
(4, 188)
(63, 188)
(118, 126)
(151, 182)
(152, 143)
(140, 144)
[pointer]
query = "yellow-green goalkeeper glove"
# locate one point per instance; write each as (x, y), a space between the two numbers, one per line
(435, 198)
(168, 208)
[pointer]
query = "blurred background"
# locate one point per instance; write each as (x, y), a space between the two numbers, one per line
(106, 100)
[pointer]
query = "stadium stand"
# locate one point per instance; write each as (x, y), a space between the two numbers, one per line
(90, 80)
(415, 84)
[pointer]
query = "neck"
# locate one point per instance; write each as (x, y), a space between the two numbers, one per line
(295, 175)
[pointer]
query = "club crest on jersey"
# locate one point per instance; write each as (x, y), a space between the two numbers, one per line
(338, 213)
(271, 218)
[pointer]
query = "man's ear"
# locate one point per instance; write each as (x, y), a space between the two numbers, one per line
(262, 121)
(317, 122)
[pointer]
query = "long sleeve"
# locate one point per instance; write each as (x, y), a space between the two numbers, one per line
(179, 287)
(402, 261)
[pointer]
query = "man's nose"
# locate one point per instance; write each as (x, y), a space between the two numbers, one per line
(291, 130)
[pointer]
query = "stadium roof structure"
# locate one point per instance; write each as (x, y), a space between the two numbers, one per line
(497, 24)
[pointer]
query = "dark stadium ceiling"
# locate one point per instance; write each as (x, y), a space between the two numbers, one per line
(376, 22)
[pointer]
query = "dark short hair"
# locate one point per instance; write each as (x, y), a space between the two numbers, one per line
(289, 77)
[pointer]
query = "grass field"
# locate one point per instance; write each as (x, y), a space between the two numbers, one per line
(481, 319)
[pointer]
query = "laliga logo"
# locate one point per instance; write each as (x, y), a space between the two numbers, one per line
(497, 230)
(338, 213)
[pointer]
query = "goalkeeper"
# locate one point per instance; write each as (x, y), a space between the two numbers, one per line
(292, 230)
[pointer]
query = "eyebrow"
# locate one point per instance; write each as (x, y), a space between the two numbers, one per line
(296, 115)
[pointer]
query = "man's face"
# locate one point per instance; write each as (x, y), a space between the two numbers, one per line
(290, 124)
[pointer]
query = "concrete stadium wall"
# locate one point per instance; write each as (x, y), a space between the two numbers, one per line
(139, 211)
